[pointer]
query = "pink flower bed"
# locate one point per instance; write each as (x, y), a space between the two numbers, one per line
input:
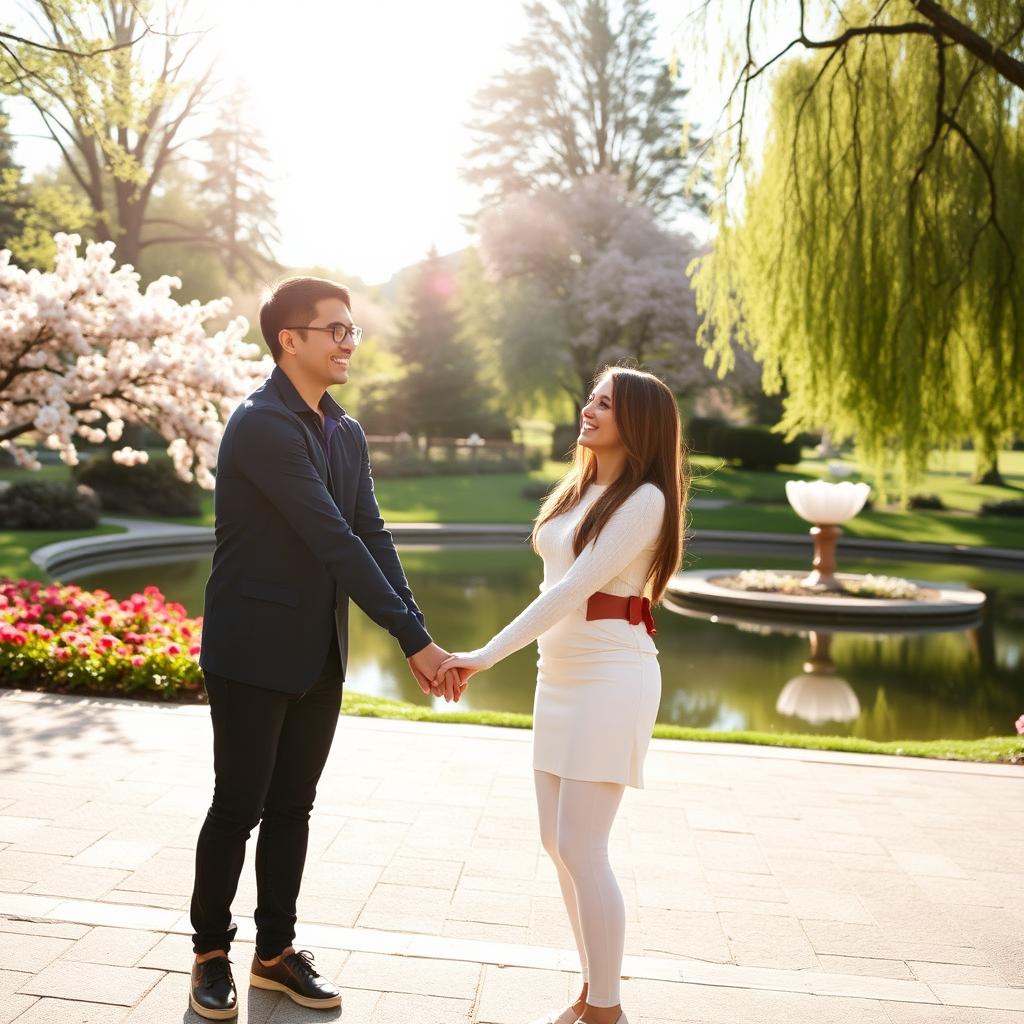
(63, 638)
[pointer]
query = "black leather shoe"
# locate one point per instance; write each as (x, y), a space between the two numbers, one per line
(296, 977)
(213, 994)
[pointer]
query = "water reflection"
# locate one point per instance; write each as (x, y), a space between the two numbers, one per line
(955, 684)
(818, 695)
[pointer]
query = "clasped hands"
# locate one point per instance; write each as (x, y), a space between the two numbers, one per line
(441, 674)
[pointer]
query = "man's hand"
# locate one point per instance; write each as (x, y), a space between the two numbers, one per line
(465, 665)
(424, 666)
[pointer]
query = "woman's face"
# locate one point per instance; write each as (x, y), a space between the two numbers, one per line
(597, 427)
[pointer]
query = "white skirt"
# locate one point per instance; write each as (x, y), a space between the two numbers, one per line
(593, 714)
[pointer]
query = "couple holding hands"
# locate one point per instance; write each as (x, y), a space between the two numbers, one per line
(299, 532)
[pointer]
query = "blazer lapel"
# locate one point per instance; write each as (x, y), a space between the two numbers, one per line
(338, 474)
(294, 401)
(316, 447)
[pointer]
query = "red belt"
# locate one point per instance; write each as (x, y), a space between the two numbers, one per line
(611, 606)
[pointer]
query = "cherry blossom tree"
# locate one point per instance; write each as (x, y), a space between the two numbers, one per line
(592, 278)
(83, 349)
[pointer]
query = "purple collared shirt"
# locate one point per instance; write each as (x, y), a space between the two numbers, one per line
(325, 436)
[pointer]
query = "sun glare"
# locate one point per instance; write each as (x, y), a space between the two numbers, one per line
(363, 107)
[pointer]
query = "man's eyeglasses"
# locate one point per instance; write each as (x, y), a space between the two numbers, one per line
(338, 332)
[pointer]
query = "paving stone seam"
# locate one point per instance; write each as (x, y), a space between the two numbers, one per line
(422, 946)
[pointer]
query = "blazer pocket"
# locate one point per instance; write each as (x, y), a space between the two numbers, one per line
(261, 590)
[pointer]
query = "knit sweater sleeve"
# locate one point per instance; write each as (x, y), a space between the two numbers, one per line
(634, 526)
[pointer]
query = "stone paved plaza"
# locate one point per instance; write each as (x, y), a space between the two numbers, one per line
(761, 885)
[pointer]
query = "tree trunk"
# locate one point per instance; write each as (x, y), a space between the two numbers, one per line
(986, 464)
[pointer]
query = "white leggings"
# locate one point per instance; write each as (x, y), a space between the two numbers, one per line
(575, 821)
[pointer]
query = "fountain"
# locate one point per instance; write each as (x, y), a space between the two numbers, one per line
(825, 506)
(825, 595)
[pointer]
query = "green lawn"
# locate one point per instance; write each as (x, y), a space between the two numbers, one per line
(1010, 463)
(17, 545)
(925, 527)
(1005, 749)
(47, 472)
(760, 497)
(712, 479)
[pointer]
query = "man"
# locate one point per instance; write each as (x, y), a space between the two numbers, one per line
(298, 533)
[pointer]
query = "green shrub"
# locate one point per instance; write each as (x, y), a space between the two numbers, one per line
(927, 501)
(753, 447)
(698, 433)
(809, 438)
(151, 488)
(563, 440)
(1013, 507)
(48, 505)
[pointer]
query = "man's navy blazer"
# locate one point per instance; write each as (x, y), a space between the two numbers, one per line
(298, 534)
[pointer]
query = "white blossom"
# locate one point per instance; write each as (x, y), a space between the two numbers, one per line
(82, 342)
(130, 456)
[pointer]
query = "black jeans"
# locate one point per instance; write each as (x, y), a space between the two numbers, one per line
(269, 749)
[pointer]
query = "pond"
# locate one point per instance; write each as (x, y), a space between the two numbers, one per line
(958, 684)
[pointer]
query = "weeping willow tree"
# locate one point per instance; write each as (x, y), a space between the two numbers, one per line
(875, 265)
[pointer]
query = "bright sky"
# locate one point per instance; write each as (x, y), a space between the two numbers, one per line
(364, 109)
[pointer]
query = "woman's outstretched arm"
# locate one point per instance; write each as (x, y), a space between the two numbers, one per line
(635, 525)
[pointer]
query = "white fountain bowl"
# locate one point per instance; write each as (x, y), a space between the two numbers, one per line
(826, 504)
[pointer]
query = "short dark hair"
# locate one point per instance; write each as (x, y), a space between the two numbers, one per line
(293, 301)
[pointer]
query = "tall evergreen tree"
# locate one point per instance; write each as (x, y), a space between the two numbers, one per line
(234, 190)
(443, 393)
(585, 95)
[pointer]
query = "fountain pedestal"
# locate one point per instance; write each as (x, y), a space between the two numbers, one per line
(822, 575)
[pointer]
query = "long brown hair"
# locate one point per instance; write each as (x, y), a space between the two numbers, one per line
(647, 419)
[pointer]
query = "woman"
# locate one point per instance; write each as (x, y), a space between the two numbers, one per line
(610, 535)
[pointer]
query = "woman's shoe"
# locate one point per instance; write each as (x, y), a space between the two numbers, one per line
(566, 1016)
(621, 1020)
